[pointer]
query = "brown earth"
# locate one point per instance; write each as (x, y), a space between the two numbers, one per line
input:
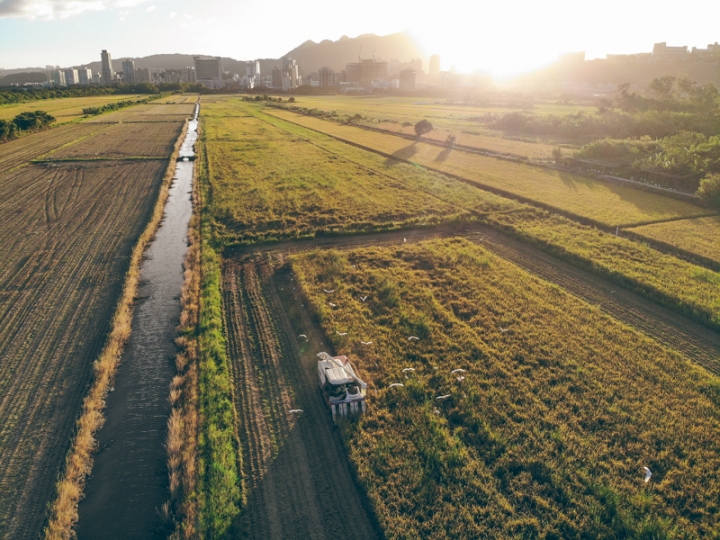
(297, 481)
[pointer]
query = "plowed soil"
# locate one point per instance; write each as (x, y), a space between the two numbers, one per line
(67, 234)
(297, 480)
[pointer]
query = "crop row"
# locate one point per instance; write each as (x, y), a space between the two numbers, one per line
(544, 433)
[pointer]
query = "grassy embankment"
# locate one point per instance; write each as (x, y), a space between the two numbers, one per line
(688, 288)
(560, 408)
(78, 464)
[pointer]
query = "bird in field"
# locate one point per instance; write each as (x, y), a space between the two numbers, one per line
(648, 474)
(440, 398)
(503, 330)
(366, 342)
(408, 369)
(295, 411)
(341, 333)
(460, 378)
(413, 338)
(396, 384)
(302, 336)
(458, 370)
(363, 298)
(436, 411)
(329, 291)
(332, 305)
(404, 239)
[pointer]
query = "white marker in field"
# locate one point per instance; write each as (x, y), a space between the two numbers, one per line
(413, 338)
(396, 384)
(440, 398)
(329, 291)
(294, 411)
(366, 342)
(648, 474)
(302, 336)
(458, 370)
(341, 333)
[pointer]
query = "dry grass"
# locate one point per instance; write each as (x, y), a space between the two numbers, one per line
(697, 236)
(64, 510)
(63, 109)
(603, 203)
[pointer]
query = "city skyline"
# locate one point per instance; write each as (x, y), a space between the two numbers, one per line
(497, 39)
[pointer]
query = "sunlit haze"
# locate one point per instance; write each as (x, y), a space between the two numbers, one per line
(500, 38)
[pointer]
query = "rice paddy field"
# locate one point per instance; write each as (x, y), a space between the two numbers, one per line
(697, 236)
(68, 231)
(593, 200)
(63, 109)
(546, 429)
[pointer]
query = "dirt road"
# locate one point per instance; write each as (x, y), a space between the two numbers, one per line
(297, 482)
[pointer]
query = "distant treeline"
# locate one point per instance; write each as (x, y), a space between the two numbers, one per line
(674, 105)
(21, 95)
(24, 123)
(108, 107)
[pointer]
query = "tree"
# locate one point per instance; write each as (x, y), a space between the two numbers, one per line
(291, 100)
(709, 190)
(423, 127)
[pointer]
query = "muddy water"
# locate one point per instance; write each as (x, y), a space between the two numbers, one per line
(129, 481)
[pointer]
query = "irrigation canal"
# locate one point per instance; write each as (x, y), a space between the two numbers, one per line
(129, 481)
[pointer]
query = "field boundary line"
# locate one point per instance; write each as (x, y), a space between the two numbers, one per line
(78, 463)
(678, 195)
(93, 160)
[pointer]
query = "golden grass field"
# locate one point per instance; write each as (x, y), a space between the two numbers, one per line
(547, 434)
(699, 236)
(63, 109)
(603, 203)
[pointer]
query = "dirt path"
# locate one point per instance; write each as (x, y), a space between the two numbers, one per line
(693, 340)
(297, 482)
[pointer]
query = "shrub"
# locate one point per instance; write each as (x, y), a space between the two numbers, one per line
(709, 190)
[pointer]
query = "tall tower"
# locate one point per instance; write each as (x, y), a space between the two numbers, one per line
(435, 66)
(129, 72)
(107, 73)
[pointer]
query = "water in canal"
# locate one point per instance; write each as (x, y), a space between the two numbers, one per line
(129, 481)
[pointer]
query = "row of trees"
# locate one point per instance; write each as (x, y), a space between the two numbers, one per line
(24, 123)
(117, 105)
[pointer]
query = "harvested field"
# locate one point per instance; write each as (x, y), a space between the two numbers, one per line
(269, 183)
(124, 141)
(599, 202)
(68, 230)
(63, 109)
(297, 483)
(699, 236)
(547, 434)
(36, 145)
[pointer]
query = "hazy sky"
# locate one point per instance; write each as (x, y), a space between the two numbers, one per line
(501, 37)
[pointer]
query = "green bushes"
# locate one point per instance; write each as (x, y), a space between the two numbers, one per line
(709, 190)
(92, 111)
(24, 122)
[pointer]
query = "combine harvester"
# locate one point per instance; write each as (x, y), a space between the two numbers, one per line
(344, 392)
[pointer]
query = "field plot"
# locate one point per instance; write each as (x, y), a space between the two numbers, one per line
(19, 152)
(68, 230)
(63, 109)
(546, 435)
(295, 474)
(124, 141)
(600, 202)
(269, 183)
(698, 236)
(147, 113)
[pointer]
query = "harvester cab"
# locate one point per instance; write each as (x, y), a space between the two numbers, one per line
(343, 390)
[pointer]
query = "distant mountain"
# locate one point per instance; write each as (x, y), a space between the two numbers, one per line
(23, 77)
(311, 56)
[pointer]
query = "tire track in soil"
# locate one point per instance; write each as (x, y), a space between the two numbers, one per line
(297, 483)
(696, 342)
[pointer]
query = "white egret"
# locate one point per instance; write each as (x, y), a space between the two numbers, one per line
(648, 474)
(440, 398)
(396, 384)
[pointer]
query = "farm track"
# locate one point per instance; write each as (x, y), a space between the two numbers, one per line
(297, 483)
(66, 238)
(696, 342)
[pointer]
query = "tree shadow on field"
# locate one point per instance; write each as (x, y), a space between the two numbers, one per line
(400, 155)
(442, 156)
(568, 180)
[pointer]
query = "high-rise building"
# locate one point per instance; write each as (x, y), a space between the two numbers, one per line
(366, 71)
(85, 76)
(327, 77)
(129, 71)
(56, 77)
(209, 71)
(291, 69)
(277, 77)
(108, 75)
(142, 76)
(71, 76)
(435, 66)
(188, 75)
(408, 78)
(252, 69)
